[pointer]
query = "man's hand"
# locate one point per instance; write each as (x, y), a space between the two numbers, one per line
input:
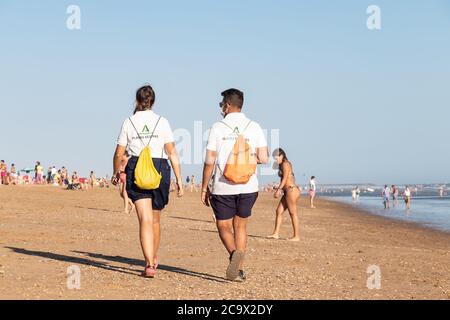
(180, 188)
(115, 178)
(205, 197)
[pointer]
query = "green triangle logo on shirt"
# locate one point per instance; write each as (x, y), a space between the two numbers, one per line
(145, 129)
(236, 130)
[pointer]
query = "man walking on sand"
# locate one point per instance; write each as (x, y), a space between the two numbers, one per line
(232, 202)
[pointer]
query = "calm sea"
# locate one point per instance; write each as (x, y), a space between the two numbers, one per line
(430, 211)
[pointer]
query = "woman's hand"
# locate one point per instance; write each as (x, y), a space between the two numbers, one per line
(180, 188)
(277, 194)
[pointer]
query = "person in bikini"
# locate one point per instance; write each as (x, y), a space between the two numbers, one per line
(291, 194)
(128, 204)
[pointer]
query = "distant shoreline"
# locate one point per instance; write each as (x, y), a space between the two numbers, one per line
(365, 211)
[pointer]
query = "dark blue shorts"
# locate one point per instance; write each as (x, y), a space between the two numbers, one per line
(160, 196)
(227, 206)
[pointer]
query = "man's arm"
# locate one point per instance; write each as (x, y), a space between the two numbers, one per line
(208, 169)
(262, 155)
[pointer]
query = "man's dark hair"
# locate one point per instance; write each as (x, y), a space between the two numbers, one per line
(233, 97)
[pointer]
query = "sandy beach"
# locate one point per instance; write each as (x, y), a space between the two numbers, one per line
(44, 230)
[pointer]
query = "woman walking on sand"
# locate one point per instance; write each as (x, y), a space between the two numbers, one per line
(291, 194)
(146, 128)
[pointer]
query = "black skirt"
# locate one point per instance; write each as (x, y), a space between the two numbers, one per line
(159, 196)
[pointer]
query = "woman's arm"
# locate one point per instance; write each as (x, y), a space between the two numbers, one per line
(174, 159)
(286, 170)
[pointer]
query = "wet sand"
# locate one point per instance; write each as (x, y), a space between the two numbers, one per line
(45, 230)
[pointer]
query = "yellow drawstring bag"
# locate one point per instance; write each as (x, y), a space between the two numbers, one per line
(146, 176)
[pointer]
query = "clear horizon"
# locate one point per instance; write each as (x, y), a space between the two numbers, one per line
(351, 104)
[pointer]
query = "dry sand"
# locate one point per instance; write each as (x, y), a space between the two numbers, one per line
(45, 230)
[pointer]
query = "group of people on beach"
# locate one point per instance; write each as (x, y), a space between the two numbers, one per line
(393, 192)
(231, 201)
(53, 176)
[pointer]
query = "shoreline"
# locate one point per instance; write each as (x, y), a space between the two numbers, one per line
(47, 230)
(411, 224)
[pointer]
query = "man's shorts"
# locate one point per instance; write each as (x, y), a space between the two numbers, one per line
(225, 207)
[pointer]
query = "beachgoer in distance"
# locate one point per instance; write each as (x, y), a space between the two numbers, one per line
(92, 179)
(232, 203)
(407, 197)
(394, 195)
(312, 191)
(3, 171)
(13, 174)
(146, 128)
(193, 186)
(354, 194)
(39, 171)
(290, 194)
(385, 194)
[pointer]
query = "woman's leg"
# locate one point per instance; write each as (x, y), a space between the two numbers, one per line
(156, 232)
(124, 195)
(312, 196)
(292, 197)
(282, 206)
(145, 216)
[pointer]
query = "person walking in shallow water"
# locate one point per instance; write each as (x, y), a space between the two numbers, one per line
(385, 194)
(289, 192)
(145, 125)
(407, 197)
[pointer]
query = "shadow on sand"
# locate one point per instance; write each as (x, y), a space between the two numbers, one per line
(191, 219)
(119, 259)
(214, 231)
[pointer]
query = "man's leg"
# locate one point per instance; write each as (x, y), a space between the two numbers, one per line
(240, 232)
(225, 228)
(240, 236)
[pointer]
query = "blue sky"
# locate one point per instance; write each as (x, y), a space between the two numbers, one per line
(352, 105)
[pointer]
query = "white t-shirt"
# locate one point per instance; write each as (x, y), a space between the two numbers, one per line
(222, 139)
(145, 122)
(312, 185)
(407, 193)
